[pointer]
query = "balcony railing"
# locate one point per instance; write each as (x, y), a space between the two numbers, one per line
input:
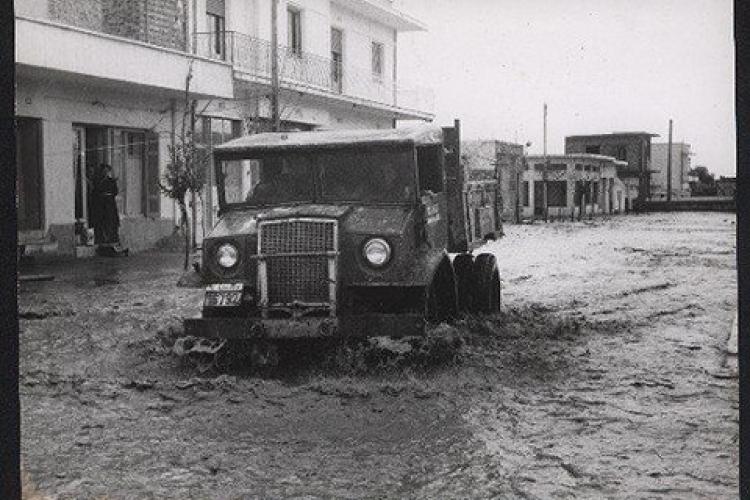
(252, 56)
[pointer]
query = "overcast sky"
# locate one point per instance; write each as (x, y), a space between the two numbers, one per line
(600, 65)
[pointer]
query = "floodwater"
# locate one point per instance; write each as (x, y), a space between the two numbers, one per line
(603, 378)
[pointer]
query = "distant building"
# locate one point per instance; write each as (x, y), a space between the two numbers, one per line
(577, 184)
(680, 170)
(726, 186)
(633, 148)
(490, 159)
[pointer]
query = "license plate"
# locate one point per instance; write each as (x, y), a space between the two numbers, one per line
(223, 295)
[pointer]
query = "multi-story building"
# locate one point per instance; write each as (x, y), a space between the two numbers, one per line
(504, 161)
(680, 170)
(634, 148)
(107, 81)
(577, 185)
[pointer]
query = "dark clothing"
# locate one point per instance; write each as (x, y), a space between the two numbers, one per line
(104, 216)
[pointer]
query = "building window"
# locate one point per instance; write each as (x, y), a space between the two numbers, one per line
(622, 153)
(294, 31)
(557, 193)
(593, 150)
(337, 59)
(217, 39)
(558, 167)
(377, 60)
(587, 168)
(579, 166)
(525, 194)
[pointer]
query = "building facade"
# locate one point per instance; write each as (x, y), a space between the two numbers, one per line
(107, 81)
(577, 185)
(680, 170)
(633, 148)
(500, 160)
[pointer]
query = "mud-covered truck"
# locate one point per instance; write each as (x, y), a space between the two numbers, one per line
(345, 233)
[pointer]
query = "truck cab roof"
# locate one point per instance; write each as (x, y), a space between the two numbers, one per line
(269, 142)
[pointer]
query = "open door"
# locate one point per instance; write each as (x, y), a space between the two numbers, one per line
(29, 175)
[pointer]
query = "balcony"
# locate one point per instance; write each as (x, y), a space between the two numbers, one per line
(87, 41)
(315, 74)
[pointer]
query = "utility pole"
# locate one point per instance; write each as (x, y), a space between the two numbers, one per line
(669, 164)
(544, 171)
(275, 119)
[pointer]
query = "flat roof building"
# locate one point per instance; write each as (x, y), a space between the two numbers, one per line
(577, 184)
(633, 148)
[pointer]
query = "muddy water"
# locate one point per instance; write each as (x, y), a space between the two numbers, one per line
(602, 380)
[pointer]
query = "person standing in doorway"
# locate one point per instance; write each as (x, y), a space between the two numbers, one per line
(106, 219)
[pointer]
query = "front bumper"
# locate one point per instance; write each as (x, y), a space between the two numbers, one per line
(361, 325)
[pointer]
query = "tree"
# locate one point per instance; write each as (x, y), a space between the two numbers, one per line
(186, 170)
(706, 184)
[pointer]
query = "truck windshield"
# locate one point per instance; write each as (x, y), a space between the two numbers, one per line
(380, 176)
(268, 181)
(372, 176)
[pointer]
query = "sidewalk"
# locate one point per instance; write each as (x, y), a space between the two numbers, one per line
(126, 268)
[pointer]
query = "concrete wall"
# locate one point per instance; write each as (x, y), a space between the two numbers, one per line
(77, 52)
(160, 22)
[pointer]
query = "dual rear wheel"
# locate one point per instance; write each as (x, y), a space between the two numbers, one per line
(478, 283)
(471, 286)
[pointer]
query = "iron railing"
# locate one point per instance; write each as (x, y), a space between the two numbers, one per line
(252, 56)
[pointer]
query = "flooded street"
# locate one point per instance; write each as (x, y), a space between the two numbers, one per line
(603, 378)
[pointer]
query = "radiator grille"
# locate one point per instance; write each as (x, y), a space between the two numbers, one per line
(297, 237)
(298, 256)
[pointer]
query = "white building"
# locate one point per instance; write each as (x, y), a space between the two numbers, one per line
(103, 81)
(578, 184)
(680, 170)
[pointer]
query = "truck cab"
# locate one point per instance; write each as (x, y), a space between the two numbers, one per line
(343, 233)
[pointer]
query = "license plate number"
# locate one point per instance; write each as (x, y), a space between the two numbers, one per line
(223, 295)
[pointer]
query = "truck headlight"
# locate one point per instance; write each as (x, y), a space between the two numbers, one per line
(377, 252)
(226, 255)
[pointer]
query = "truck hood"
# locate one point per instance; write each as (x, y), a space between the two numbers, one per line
(353, 218)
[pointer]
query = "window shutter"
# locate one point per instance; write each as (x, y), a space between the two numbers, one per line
(151, 186)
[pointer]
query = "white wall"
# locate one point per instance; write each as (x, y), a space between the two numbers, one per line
(59, 106)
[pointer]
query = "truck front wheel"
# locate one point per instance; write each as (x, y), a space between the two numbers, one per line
(440, 299)
(486, 278)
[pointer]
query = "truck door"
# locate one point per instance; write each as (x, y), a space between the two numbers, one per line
(432, 195)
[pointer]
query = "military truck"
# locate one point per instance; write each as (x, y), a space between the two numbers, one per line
(345, 233)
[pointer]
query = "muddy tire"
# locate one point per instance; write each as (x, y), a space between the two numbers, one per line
(486, 293)
(440, 301)
(463, 266)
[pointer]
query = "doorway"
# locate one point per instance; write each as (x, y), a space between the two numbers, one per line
(538, 198)
(29, 174)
